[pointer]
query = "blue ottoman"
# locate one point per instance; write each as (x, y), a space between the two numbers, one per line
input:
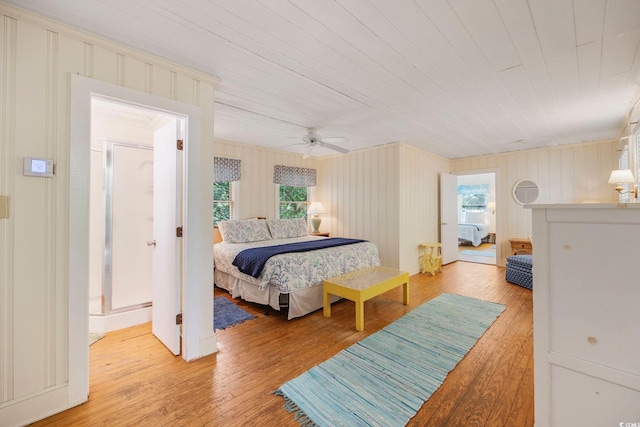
(519, 270)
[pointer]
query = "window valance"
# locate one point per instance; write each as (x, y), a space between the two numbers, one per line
(466, 190)
(294, 176)
(226, 170)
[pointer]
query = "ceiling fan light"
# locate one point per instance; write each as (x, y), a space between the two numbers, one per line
(307, 152)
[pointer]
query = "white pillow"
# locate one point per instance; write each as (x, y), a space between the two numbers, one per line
(244, 231)
(287, 228)
(475, 217)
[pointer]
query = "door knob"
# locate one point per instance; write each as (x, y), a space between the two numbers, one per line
(151, 243)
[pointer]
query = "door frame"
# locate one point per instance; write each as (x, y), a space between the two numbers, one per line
(498, 200)
(197, 297)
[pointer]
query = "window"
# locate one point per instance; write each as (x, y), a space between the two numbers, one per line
(474, 197)
(474, 202)
(226, 171)
(222, 201)
(293, 185)
(293, 202)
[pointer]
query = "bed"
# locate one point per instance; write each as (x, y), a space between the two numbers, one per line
(473, 226)
(473, 233)
(291, 280)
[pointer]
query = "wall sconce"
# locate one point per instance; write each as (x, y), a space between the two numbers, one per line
(315, 208)
(623, 176)
(491, 207)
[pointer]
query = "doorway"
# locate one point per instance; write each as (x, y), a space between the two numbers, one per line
(476, 210)
(198, 337)
(135, 201)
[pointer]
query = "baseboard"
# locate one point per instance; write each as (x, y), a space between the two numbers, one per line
(113, 322)
(38, 406)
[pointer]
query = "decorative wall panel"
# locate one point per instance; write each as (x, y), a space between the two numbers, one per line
(38, 56)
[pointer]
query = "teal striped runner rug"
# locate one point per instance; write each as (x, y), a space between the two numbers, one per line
(384, 379)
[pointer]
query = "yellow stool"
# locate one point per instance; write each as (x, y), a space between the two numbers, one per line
(430, 257)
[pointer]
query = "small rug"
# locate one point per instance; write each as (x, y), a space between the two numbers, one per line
(491, 254)
(226, 313)
(94, 338)
(384, 379)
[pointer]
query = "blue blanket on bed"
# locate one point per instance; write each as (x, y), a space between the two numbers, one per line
(252, 261)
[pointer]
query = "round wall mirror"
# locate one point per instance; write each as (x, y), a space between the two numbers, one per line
(525, 191)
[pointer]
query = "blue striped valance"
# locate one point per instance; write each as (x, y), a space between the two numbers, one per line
(465, 190)
(226, 170)
(294, 176)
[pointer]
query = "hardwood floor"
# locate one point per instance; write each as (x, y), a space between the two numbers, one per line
(483, 247)
(136, 381)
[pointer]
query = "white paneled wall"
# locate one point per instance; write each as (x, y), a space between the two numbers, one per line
(419, 207)
(388, 195)
(574, 173)
(256, 192)
(38, 57)
(360, 192)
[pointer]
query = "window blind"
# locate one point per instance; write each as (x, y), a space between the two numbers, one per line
(294, 176)
(226, 170)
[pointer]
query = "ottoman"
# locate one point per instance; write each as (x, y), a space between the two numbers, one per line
(519, 270)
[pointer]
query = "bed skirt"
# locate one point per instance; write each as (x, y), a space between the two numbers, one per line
(301, 302)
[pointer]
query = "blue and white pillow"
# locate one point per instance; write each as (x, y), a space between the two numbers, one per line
(244, 231)
(287, 228)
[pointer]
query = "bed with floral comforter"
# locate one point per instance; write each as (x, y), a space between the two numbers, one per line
(298, 275)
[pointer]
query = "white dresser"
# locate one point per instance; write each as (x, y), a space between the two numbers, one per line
(586, 314)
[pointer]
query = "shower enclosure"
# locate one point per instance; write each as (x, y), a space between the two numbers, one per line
(121, 222)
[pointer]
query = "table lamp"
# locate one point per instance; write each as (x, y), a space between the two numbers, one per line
(315, 209)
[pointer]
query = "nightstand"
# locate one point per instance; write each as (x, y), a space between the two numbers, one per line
(520, 246)
(320, 234)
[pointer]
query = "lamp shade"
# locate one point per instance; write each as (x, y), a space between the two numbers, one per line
(315, 208)
(491, 206)
(621, 176)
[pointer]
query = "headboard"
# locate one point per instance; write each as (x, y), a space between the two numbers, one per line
(217, 237)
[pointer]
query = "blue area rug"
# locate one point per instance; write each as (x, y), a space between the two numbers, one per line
(384, 379)
(226, 313)
(491, 254)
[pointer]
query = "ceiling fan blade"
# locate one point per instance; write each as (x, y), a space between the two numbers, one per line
(335, 147)
(331, 139)
(291, 145)
(308, 152)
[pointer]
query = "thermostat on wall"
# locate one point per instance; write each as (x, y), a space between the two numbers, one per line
(38, 167)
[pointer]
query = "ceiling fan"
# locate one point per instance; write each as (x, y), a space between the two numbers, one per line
(313, 139)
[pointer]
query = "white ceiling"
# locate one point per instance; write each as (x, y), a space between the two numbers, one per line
(457, 78)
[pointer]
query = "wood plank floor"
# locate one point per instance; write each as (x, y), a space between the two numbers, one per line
(135, 381)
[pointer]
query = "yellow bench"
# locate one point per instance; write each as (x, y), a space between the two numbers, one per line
(361, 285)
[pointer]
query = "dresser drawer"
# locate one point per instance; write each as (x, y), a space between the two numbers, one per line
(521, 246)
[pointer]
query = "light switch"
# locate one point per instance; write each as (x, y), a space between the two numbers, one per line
(4, 207)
